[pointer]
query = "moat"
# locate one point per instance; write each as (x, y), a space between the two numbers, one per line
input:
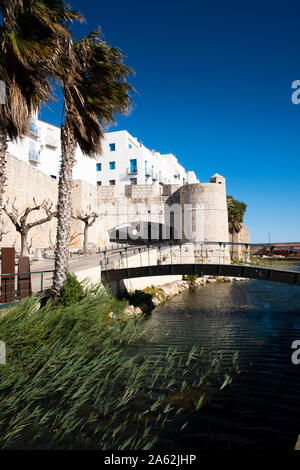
(260, 321)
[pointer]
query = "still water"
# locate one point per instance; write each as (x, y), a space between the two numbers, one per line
(260, 320)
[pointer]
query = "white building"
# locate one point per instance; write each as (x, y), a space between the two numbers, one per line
(41, 149)
(125, 160)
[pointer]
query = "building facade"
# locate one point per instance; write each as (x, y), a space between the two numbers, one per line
(41, 150)
(128, 185)
(126, 161)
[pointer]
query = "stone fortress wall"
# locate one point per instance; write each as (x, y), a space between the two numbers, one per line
(205, 202)
(24, 182)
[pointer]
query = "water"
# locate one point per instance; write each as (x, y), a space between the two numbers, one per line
(260, 320)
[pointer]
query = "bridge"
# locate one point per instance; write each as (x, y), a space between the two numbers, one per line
(171, 259)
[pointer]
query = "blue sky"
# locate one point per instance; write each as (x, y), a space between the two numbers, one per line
(214, 88)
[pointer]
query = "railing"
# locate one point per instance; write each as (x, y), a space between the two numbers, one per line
(175, 253)
(36, 281)
(199, 258)
(51, 142)
(34, 156)
(132, 170)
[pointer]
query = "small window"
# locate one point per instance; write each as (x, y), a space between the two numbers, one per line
(33, 154)
(130, 146)
(133, 165)
(112, 182)
(32, 126)
(98, 166)
(112, 147)
(133, 181)
(112, 165)
(99, 183)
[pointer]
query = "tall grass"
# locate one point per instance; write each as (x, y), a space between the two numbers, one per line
(72, 382)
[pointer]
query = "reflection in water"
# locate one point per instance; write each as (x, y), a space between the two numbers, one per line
(260, 320)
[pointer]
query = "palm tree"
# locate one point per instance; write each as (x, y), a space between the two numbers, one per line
(31, 38)
(94, 92)
(236, 211)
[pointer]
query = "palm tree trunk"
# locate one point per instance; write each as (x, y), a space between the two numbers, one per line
(64, 208)
(3, 151)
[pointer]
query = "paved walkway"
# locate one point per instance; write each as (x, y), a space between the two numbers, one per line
(76, 263)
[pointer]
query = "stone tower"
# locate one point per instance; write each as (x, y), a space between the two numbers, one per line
(204, 209)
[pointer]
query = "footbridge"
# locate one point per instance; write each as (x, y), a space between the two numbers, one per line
(190, 259)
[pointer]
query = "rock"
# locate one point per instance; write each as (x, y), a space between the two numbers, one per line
(129, 310)
(138, 311)
(211, 280)
(112, 315)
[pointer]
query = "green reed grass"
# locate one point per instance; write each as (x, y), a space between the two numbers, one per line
(72, 381)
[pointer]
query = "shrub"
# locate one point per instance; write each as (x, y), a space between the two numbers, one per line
(139, 297)
(192, 278)
(72, 291)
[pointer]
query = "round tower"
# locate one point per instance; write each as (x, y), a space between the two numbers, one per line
(205, 219)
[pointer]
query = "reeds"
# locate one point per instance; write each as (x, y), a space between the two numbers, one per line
(72, 380)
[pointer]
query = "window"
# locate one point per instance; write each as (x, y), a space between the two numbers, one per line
(98, 166)
(112, 165)
(34, 129)
(130, 146)
(32, 126)
(112, 182)
(50, 138)
(99, 183)
(133, 166)
(133, 181)
(112, 147)
(33, 154)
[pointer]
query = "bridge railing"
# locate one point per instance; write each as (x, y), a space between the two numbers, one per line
(175, 253)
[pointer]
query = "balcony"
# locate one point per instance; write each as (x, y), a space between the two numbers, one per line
(155, 176)
(51, 142)
(148, 172)
(132, 171)
(34, 156)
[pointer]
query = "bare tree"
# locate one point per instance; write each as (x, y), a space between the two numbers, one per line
(3, 231)
(19, 219)
(74, 236)
(88, 218)
(51, 242)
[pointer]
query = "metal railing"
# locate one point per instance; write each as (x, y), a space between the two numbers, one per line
(175, 253)
(12, 291)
